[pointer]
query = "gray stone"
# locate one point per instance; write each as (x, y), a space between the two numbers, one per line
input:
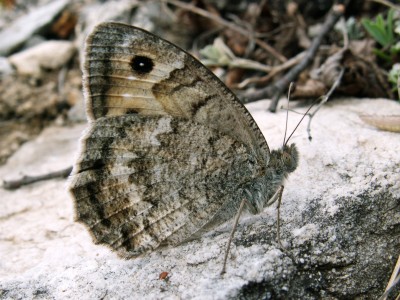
(5, 67)
(33, 41)
(77, 113)
(48, 55)
(24, 27)
(340, 224)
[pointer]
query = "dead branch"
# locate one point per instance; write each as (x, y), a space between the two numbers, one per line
(229, 25)
(275, 90)
(25, 180)
(274, 70)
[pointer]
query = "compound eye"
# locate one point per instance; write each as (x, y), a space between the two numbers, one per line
(286, 158)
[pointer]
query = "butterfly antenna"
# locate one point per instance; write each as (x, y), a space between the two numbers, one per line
(298, 124)
(287, 113)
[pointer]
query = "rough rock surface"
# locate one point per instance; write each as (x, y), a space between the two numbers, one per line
(19, 31)
(340, 224)
(48, 55)
(27, 105)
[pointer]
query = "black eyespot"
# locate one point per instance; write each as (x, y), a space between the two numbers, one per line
(142, 64)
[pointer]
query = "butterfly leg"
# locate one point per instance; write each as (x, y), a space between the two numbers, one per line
(232, 233)
(277, 196)
(279, 193)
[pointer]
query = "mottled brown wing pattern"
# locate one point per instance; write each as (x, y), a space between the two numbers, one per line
(169, 151)
(138, 184)
(128, 70)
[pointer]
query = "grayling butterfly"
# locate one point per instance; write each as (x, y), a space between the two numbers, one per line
(170, 152)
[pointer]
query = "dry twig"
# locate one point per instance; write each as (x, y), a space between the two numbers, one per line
(274, 70)
(275, 90)
(25, 180)
(229, 25)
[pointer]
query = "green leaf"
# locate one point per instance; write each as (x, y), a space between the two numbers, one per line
(381, 30)
(390, 23)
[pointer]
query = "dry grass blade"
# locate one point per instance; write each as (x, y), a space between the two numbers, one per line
(393, 281)
(274, 71)
(387, 123)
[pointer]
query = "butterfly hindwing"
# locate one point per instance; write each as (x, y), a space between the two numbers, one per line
(142, 181)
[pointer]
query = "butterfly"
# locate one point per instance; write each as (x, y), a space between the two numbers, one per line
(169, 152)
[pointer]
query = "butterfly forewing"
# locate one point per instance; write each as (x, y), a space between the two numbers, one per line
(129, 70)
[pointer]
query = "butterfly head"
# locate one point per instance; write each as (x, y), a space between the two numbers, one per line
(284, 160)
(290, 157)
